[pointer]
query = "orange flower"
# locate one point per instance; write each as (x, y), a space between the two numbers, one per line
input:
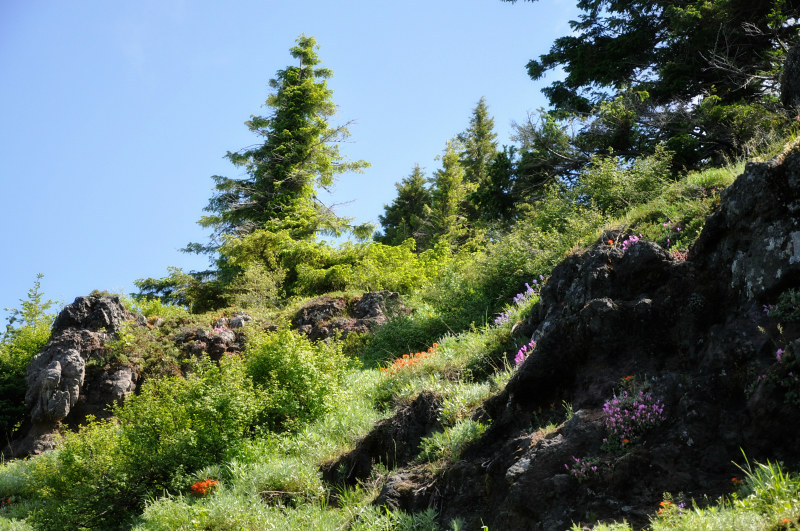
(201, 488)
(665, 503)
(627, 378)
(785, 521)
(736, 481)
(611, 242)
(625, 441)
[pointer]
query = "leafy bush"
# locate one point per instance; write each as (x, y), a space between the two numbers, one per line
(298, 377)
(153, 307)
(101, 476)
(613, 187)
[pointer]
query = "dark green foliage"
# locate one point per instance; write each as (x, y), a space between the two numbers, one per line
(674, 50)
(788, 307)
(478, 144)
(670, 55)
(493, 199)
(548, 153)
(405, 217)
(199, 291)
(27, 331)
(298, 157)
(446, 217)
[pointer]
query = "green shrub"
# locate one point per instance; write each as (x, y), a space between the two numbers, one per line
(101, 475)
(298, 377)
(613, 188)
(153, 307)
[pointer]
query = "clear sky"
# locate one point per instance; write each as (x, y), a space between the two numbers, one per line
(114, 115)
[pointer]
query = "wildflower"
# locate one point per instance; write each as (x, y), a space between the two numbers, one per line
(611, 242)
(736, 481)
(779, 354)
(523, 352)
(201, 488)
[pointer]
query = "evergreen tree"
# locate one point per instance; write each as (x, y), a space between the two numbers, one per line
(405, 217)
(299, 155)
(493, 198)
(478, 144)
(548, 152)
(445, 219)
(278, 195)
(644, 66)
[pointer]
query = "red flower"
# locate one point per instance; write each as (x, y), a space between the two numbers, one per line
(201, 488)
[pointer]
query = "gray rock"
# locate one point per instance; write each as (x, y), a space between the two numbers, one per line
(239, 320)
(56, 377)
(752, 241)
(328, 316)
(54, 380)
(92, 313)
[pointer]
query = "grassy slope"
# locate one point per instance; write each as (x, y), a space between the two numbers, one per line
(273, 481)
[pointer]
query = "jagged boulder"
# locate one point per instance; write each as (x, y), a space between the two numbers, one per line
(327, 316)
(55, 375)
(58, 390)
(216, 342)
(752, 241)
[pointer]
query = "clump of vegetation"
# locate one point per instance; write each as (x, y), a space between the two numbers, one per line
(300, 378)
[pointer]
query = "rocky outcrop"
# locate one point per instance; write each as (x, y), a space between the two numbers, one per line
(326, 317)
(690, 331)
(58, 389)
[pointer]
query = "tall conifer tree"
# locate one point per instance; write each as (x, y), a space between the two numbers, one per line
(299, 156)
(478, 144)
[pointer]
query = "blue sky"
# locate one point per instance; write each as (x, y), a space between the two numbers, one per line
(116, 114)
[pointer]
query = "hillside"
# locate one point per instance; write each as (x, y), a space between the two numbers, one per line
(597, 327)
(692, 352)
